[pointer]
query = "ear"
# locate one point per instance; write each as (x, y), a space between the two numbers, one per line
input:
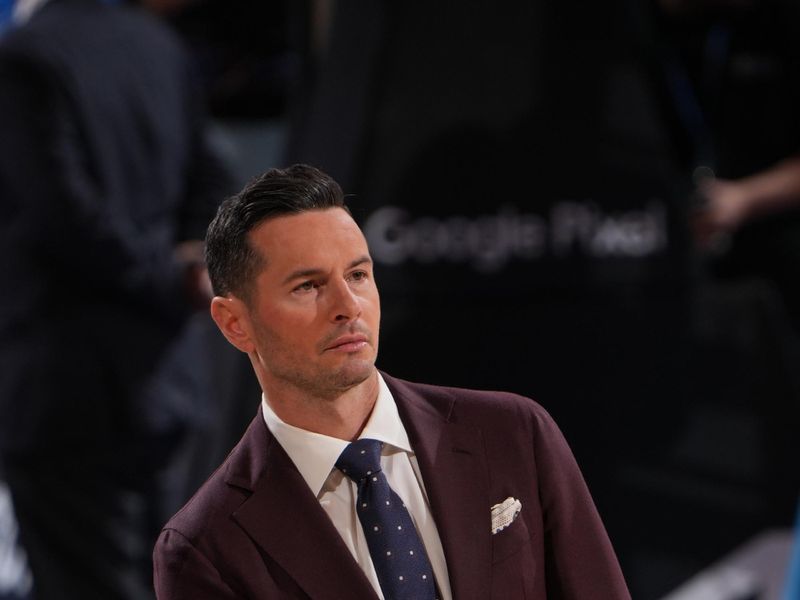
(231, 316)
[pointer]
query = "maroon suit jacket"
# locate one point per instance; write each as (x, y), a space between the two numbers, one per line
(255, 530)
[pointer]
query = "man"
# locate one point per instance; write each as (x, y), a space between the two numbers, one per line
(106, 188)
(482, 485)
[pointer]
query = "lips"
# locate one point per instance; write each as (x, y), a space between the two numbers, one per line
(348, 343)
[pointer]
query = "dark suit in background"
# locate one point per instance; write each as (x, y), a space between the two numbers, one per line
(255, 530)
(104, 170)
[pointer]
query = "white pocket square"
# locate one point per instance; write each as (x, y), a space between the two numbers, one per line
(503, 514)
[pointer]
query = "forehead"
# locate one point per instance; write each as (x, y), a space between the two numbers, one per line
(309, 237)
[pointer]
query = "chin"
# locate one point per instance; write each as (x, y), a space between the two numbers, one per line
(355, 373)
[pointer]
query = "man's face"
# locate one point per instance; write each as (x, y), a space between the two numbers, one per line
(314, 310)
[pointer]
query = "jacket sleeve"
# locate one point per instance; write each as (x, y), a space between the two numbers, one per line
(580, 561)
(181, 572)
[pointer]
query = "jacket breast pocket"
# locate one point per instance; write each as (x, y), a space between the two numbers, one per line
(510, 540)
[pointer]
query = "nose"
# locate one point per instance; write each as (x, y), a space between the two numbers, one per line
(345, 305)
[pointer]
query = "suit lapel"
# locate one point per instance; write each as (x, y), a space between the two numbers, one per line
(285, 519)
(453, 465)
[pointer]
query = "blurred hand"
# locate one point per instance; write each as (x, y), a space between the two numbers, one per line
(726, 206)
(197, 284)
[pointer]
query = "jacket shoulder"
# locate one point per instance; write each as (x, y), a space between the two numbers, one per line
(474, 404)
(210, 508)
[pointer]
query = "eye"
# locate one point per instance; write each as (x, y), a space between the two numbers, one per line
(358, 276)
(305, 287)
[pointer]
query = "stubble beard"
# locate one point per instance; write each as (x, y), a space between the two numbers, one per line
(323, 383)
(316, 380)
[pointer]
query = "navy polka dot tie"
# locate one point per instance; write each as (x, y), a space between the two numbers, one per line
(401, 563)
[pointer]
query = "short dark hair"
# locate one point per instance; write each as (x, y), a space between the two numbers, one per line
(232, 263)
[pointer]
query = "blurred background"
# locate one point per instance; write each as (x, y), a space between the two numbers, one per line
(595, 204)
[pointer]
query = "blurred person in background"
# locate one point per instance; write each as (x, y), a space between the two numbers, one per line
(107, 182)
(15, 576)
(733, 67)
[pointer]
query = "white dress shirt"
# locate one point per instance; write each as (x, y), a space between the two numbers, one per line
(315, 457)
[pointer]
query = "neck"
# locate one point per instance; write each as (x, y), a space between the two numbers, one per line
(342, 415)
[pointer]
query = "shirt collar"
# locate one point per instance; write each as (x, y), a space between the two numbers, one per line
(315, 454)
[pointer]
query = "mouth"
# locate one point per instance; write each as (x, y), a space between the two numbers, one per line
(348, 343)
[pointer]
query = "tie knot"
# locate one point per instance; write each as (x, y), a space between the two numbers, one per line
(360, 459)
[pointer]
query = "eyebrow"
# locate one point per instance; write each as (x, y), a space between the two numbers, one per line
(303, 273)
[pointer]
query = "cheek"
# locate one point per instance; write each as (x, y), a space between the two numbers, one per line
(372, 319)
(376, 303)
(377, 311)
(293, 327)
(289, 315)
